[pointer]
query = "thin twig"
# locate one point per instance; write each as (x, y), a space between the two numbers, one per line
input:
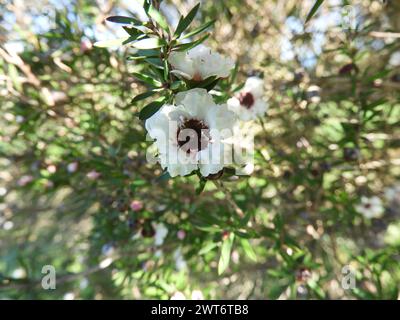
(220, 186)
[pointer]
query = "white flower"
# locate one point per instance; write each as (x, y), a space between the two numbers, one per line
(192, 135)
(392, 235)
(314, 93)
(248, 104)
(392, 194)
(24, 180)
(180, 262)
(69, 296)
(107, 249)
(72, 167)
(370, 207)
(395, 59)
(93, 175)
(161, 233)
(181, 234)
(178, 296)
(197, 295)
(200, 63)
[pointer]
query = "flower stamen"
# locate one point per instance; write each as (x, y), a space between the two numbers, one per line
(246, 99)
(193, 134)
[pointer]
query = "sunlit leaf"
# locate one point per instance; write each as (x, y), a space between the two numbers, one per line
(190, 45)
(149, 43)
(158, 17)
(186, 21)
(248, 249)
(199, 29)
(147, 79)
(225, 253)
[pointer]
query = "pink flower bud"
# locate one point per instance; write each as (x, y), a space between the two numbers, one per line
(136, 205)
(93, 175)
(24, 180)
(181, 234)
(52, 168)
(72, 167)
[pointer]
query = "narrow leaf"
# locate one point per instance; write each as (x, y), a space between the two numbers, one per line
(123, 20)
(199, 29)
(158, 17)
(190, 45)
(133, 32)
(166, 70)
(150, 109)
(202, 184)
(225, 254)
(142, 96)
(314, 9)
(147, 79)
(149, 43)
(207, 248)
(248, 249)
(185, 22)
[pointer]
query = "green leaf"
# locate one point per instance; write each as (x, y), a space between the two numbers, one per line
(315, 287)
(276, 291)
(225, 254)
(166, 70)
(149, 43)
(144, 54)
(141, 57)
(142, 96)
(158, 17)
(379, 75)
(207, 248)
(201, 84)
(163, 177)
(133, 32)
(111, 43)
(147, 79)
(176, 85)
(199, 29)
(314, 9)
(202, 184)
(375, 104)
(185, 22)
(190, 45)
(248, 249)
(123, 20)
(211, 85)
(156, 63)
(150, 109)
(234, 73)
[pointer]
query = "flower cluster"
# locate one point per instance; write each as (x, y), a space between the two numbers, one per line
(370, 207)
(195, 127)
(195, 133)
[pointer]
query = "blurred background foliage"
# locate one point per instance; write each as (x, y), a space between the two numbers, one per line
(77, 192)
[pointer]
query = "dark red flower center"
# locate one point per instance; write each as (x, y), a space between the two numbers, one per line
(193, 135)
(246, 99)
